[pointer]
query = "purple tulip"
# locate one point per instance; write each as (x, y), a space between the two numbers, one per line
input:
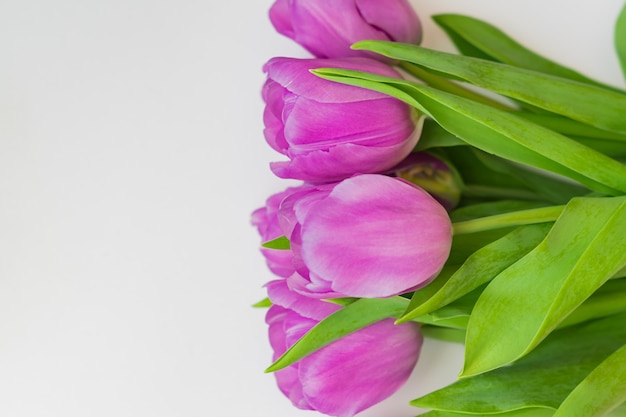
(348, 375)
(328, 28)
(330, 131)
(367, 236)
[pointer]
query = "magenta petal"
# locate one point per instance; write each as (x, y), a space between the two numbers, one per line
(278, 318)
(280, 16)
(397, 238)
(312, 286)
(279, 293)
(361, 369)
(313, 125)
(327, 30)
(273, 94)
(394, 17)
(293, 74)
(342, 161)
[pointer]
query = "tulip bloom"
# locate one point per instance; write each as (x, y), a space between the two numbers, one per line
(367, 236)
(348, 375)
(328, 28)
(330, 131)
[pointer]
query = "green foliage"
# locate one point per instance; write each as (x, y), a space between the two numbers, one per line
(542, 380)
(620, 39)
(526, 301)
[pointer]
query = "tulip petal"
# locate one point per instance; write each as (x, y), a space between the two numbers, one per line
(342, 161)
(329, 31)
(287, 379)
(397, 239)
(396, 18)
(313, 125)
(280, 17)
(294, 75)
(307, 307)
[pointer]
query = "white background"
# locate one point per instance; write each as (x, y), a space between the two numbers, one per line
(131, 156)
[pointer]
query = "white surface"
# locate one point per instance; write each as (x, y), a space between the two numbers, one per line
(131, 155)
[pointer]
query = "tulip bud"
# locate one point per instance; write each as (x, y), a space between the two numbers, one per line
(367, 236)
(350, 374)
(433, 175)
(328, 28)
(331, 131)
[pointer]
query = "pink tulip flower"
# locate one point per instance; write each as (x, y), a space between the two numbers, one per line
(368, 236)
(348, 375)
(328, 28)
(330, 131)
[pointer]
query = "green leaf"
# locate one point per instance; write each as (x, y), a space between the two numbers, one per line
(601, 391)
(609, 143)
(479, 268)
(491, 208)
(526, 301)
(453, 315)
(571, 127)
(543, 379)
(280, 243)
(463, 246)
(516, 218)
(607, 300)
(434, 136)
(351, 318)
(263, 303)
(477, 38)
(583, 102)
(498, 132)
(620, 39)
(526, 412)
(445, 334)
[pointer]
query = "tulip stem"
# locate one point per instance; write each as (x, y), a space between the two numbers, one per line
(516, 218)
(448, 86)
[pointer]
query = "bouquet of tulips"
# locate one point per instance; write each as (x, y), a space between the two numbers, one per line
(478, 198)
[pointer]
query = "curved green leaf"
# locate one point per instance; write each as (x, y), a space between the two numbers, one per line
(583, 102)
(477, 38)
(498, 132)
(600, 392)
(525, 302)
(609, 299)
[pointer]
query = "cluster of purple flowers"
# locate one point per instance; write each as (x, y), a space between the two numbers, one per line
(353, 230)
